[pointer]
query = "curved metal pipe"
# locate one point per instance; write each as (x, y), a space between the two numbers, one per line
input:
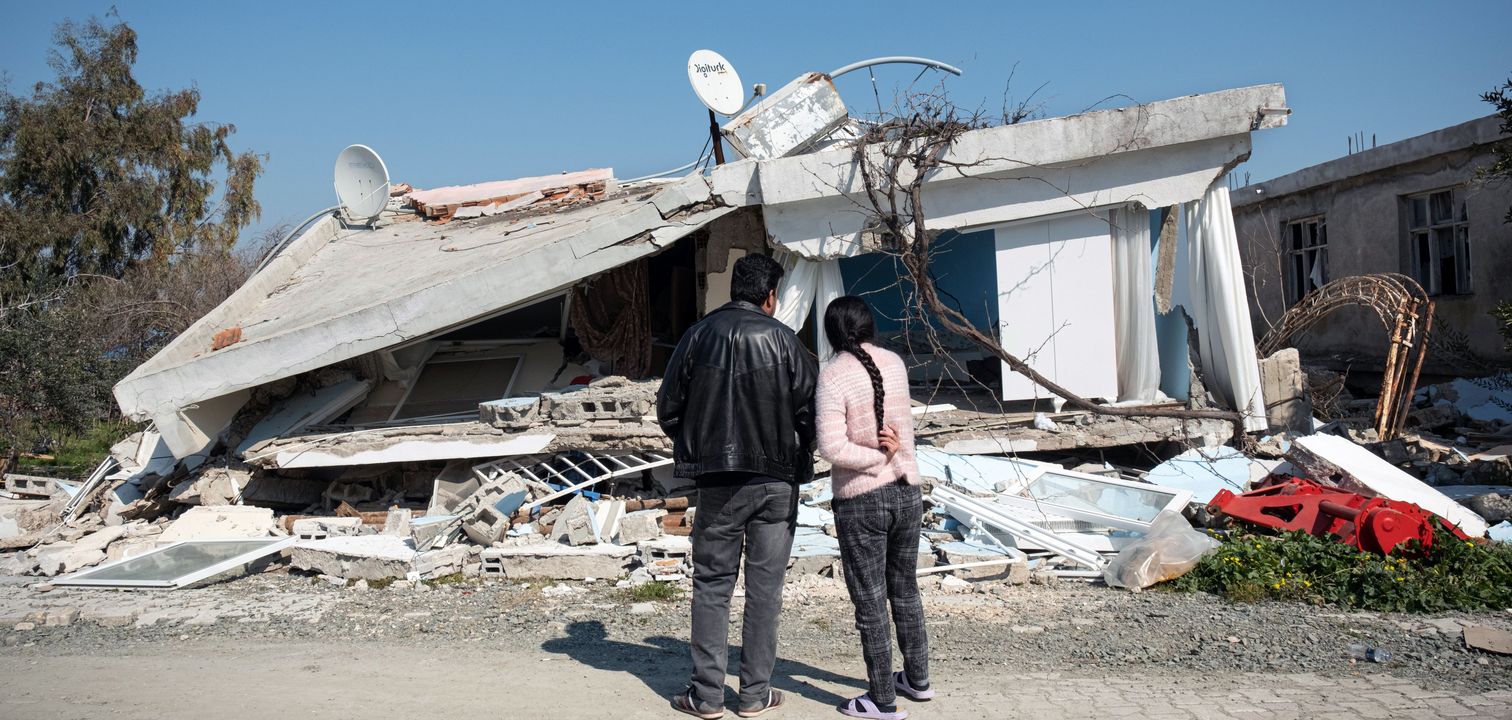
(909, 59)
(277, 248)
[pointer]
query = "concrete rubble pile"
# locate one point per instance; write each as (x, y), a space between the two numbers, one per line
(601, 501)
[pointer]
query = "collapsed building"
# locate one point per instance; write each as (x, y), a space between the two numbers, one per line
(477, 367)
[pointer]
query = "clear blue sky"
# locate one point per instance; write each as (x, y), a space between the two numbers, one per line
(453, 93)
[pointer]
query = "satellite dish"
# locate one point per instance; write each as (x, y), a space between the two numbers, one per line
(362, 184)
(715, 81)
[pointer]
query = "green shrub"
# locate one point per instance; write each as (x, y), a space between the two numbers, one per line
(1452, 575)
(655, 590)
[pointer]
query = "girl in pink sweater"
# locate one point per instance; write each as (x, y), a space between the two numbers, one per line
(865, 430)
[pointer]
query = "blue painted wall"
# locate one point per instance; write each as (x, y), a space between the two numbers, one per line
(965, 267)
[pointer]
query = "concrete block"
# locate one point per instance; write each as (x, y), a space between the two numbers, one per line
(574, 520)
(221, 523)
(368, 557)
(433, 530)
(398, 522)
(609, 400)
(437, 563)
(512, 414)
(607, 515)
(557, 562)
(322, 528)
(34, 486)
(669, 557)
(487, 526)
(212, 486)
(640, 526)
(1288, 407)
(580, 530)
(491, 508)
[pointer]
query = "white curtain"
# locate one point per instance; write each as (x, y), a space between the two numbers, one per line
(1134, 307)
(1226, 341)
(806, 291)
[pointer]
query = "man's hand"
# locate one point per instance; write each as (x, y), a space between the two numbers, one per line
(888, 439)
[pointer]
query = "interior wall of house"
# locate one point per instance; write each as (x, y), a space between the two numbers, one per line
(1055, 295)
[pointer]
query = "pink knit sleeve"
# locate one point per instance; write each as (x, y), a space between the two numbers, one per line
(832, 427)
(900, 414)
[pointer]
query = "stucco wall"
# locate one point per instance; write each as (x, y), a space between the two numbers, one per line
(1366, 222)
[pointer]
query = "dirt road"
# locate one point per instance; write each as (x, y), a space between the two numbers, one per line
(285, 647)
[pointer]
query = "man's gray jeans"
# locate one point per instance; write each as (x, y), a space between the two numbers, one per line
(760, 518)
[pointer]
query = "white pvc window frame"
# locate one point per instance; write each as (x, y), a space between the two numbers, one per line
(482, 346)
(1178, 502)
(83, 577)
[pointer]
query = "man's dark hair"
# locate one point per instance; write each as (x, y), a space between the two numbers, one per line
(754, 277)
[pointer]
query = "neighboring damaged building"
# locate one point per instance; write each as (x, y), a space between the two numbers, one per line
(1412, 207)
(363, 346)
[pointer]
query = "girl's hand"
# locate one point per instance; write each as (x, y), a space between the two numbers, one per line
(888, 439)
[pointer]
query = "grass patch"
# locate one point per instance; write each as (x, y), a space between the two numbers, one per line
(78, 454)
(452, 579)
(653, 591)
(1453, 575)
(381, 584)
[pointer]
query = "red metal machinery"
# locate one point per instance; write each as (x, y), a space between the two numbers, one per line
(1368, 523)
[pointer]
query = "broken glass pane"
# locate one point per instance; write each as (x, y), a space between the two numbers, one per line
(1442, 206)
(1122, 500)
(177, 564)
(1423, 261)
(1419, 212)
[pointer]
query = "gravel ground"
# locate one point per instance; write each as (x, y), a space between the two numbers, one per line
(1065, 627)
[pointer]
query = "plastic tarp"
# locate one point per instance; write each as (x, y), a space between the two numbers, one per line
(1220, 309)
(806, 291)
(1133, 307)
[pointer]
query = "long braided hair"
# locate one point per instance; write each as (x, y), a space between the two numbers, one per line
(848, 322)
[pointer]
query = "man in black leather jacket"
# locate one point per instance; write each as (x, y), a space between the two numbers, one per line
(738, 403)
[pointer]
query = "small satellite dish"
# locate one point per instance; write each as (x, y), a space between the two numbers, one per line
(715, 81)
(362, 184)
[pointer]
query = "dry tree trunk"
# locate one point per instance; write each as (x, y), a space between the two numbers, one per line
(914, 148)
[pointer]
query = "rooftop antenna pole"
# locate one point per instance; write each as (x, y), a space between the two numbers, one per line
(717, 138)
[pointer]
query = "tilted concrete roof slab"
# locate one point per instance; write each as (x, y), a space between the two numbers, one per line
(338, 293)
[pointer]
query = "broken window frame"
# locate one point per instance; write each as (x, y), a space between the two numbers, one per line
(1179, 499)
(1304, 255)
(980, 513)
(83, 578)
(1429, 233)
